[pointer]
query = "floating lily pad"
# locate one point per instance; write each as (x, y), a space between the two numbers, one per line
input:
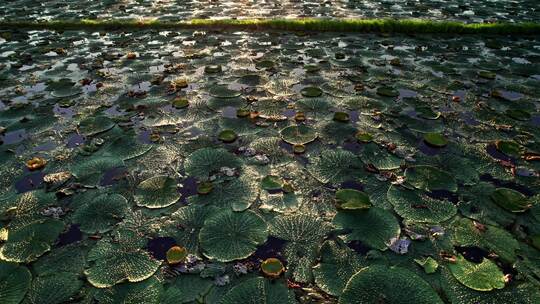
(380, 158)
(311, 92)
(223, 91)
(412, 206)
(430, 178)
(373, 227)
(364, 137)
(213, 69)
(205, 188)
(180, 103)
(510, 148)
(100, 213)
(149, 291)
(156, 192)
(176, 254)
(303, 233)
(190, 219)
(15, 281)
(335, 166)
(229, 236)
(485, 276)
(387, 92)
(511, 200)
(376, 284)
(435, 140)
(487, 74)
(271, 182)
(237, 194)
(54, 288)
(120, 260)
(207, 161)
(259, 290)
(427, 112)
(28, 242)
(227, 136)
(91, 170)
(337, 265)
(265, 64)
(298, 135)
(429, 264)
(272, 267)
(518, 114)
(467, 232)
(299, 149)
(350, 199)
(95, 124)
(342, 117)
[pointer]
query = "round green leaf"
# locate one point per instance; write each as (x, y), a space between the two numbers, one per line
(381, 284)
(311, 92)
(98, 215)
(337, 265)
(430, 178)
(156, 192)
(14, 282)
(435, 139)
(298, 135)
(271, 182)
(28, 242)
(485, 276)
(412, 206)
(94, 125)
(374, 227)
(335, 166)
(511, 200)
(260, 291)
(54, 288)
(116, 261)
(229, 236)
(207, 161)
(351, 199)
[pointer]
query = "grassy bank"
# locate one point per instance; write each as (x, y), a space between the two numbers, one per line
(409, 26)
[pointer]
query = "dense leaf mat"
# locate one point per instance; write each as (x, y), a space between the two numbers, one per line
(375, 168)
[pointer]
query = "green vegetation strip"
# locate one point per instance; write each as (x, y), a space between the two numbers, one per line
(409, 26)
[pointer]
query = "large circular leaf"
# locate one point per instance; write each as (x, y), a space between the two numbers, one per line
(259, 291)
(511, 200)
(91, 170)
(206, 161)
(484, 276)
(381, 284)
(374, 227)
(298, 135)
(337, 265)
(27, 243)
(94, 125)
(147, 292)
(112, 262)
(412, 206)
(467, 232)
(238, 193)
(54, 288)
(430, 178)
(103, 211)
(380, 158)
(229, 236)
(335, 166)
(14, 282)
(156, 192)
(303, 233)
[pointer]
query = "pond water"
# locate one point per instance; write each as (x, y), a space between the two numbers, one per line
(269, 167)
